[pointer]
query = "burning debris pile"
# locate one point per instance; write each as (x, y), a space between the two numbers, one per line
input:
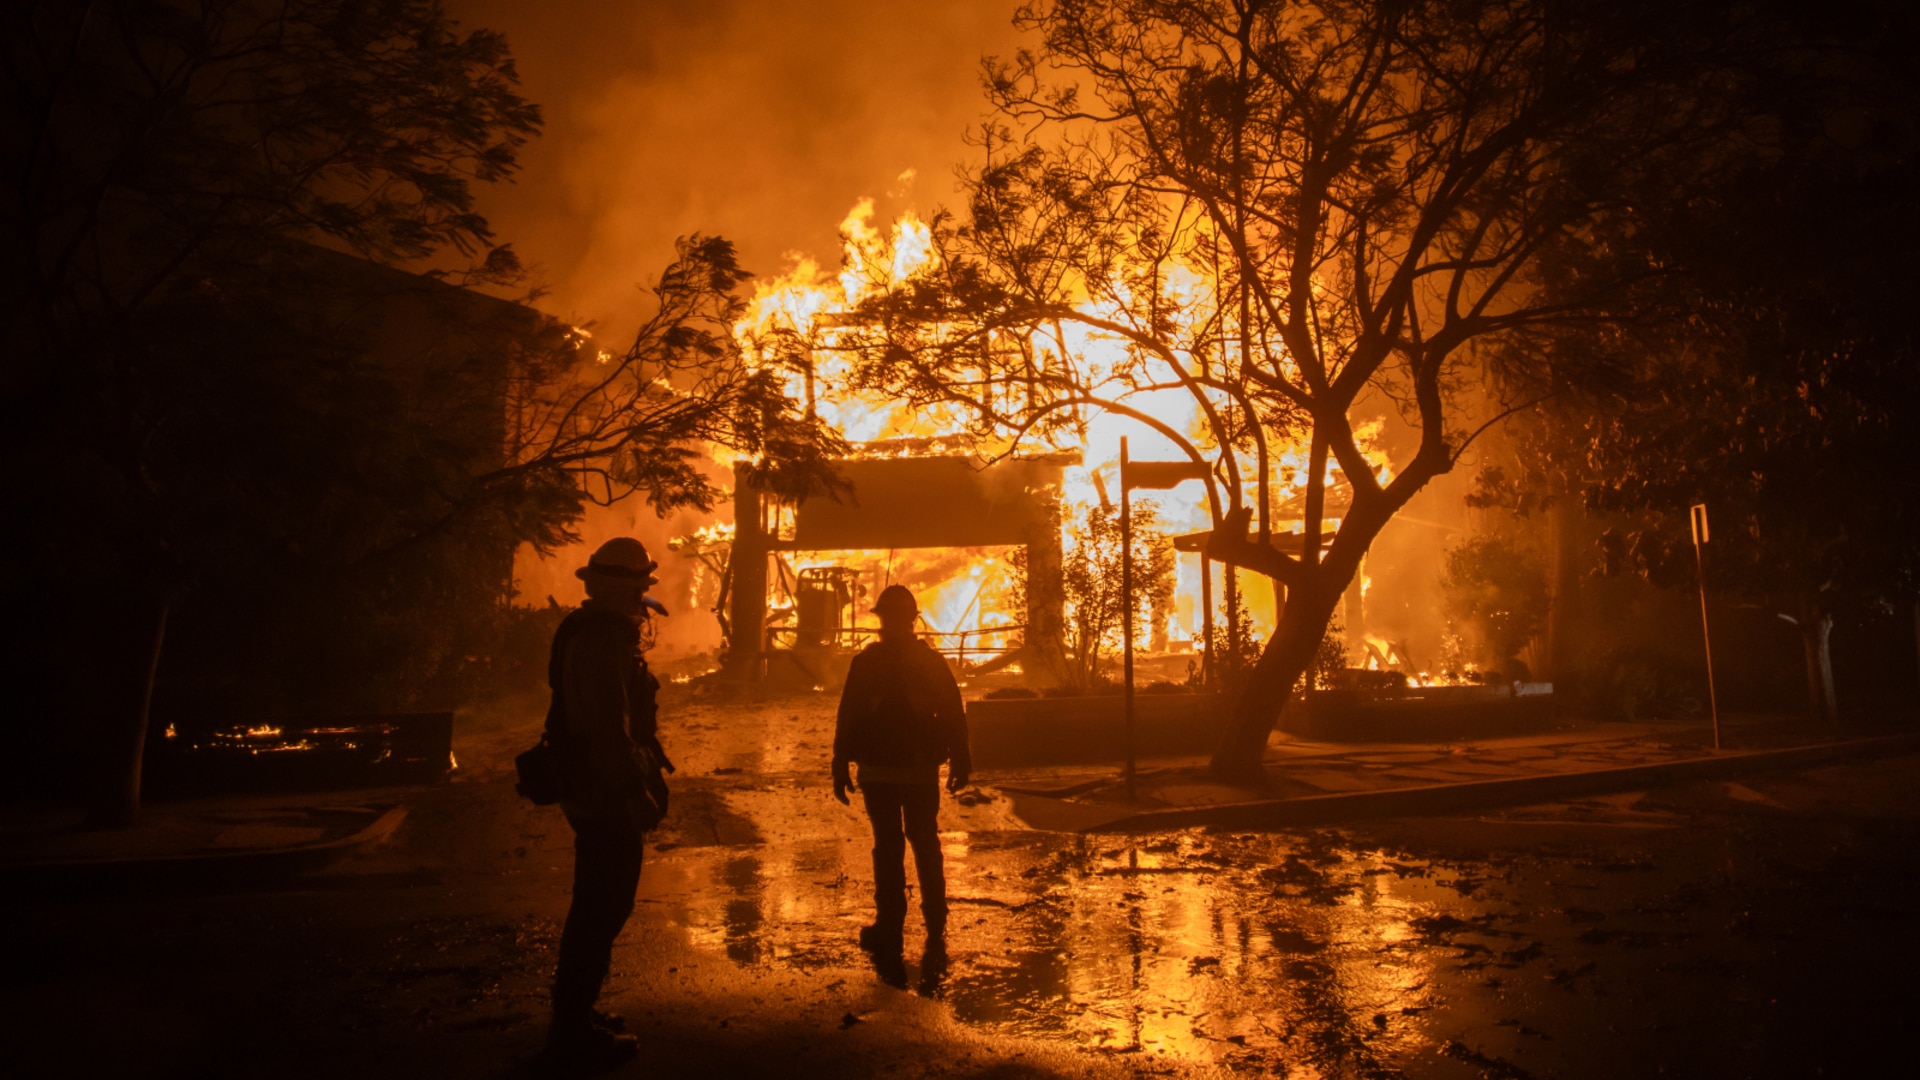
(319, 753)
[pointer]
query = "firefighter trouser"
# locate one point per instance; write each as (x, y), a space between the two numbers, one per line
(606, 871)
(905, 814)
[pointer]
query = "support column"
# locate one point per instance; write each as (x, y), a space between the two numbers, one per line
(1356, 603)
(747, 602)
(1209, 669)
(1045, 659)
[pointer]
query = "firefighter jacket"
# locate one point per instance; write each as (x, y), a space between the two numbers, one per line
(901, 715)
(603, 720)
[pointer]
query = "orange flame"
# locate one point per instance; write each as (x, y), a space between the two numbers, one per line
(804, 308)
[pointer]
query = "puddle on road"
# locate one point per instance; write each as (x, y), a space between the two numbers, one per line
(1198, 949)
(1307, 954)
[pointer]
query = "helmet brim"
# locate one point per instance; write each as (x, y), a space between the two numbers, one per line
(617, 573)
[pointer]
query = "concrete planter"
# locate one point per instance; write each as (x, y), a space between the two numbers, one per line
(1422, 714)
(1022, 732)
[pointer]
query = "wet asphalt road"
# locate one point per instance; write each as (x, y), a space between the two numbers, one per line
(1759, 928)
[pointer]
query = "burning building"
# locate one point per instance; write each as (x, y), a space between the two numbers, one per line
(979, 521)
(903, 508)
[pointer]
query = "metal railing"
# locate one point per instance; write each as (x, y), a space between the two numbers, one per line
(958, 644)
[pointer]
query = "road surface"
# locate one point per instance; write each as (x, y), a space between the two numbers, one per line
(1760, 928)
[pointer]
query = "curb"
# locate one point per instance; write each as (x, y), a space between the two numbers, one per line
(1471, 795)
(200, 867)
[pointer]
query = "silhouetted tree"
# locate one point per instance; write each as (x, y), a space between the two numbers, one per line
(1774, 366)
(1282, 210)
(1095, 607)
(182, 401)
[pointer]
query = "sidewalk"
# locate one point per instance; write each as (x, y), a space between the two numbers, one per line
(196, 842)
(243, 839)
(1318, 782)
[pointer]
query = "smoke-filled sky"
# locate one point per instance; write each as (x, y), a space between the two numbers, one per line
(760, 120)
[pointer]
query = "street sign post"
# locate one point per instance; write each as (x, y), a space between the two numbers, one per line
(1133, 474)
(1699, 516)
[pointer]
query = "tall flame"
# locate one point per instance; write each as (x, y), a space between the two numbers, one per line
(804, 312)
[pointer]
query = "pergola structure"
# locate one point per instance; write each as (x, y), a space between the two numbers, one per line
(903, 503)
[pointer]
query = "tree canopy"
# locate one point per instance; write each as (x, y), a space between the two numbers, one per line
(216, 395)
(1773, 366)
(1288, 214)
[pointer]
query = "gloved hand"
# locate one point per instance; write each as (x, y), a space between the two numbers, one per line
(956, 779)
(842, 780)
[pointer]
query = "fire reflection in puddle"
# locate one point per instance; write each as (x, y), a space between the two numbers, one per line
(1206, 949)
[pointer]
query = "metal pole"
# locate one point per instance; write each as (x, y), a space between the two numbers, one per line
(1699, 517)
(1126, 608)
(1206, 619)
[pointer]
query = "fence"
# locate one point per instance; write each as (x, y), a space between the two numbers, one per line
(957, 644)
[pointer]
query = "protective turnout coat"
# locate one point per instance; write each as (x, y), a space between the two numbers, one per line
(603, 723)
(901, 712)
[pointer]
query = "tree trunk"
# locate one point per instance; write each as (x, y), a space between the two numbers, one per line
(1568, 525)
(1816, 630)
(1268, 687)
(1310, 605)
(116, 800)
(1044, 653)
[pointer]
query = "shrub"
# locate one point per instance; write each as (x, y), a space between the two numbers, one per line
(1639, 683)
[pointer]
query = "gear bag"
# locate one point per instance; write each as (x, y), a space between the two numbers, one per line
(650, 802)
(542, 771)
(539, 773)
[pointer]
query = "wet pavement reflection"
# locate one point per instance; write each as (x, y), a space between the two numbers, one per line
(1201, 949)
(1190, 948)
(1756, 928)
(1382, 951)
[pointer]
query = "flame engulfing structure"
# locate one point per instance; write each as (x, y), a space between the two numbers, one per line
(1274, 219)
(808, 325)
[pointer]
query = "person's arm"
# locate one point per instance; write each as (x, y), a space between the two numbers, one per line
(951, 714)
(594, 678)
(643, 708)
(846, 723)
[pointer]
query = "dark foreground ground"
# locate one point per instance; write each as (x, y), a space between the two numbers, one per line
(1760, 928)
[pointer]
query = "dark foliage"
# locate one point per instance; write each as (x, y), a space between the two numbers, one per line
(262, 474)
(1280, 210)
(1768, 367)
(1499, 590)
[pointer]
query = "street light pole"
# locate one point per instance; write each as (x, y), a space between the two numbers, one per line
(1699, 517)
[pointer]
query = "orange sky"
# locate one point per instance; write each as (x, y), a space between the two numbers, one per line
(758, 120)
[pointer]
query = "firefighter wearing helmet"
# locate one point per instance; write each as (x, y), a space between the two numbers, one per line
(602, 728)
(901, 719)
